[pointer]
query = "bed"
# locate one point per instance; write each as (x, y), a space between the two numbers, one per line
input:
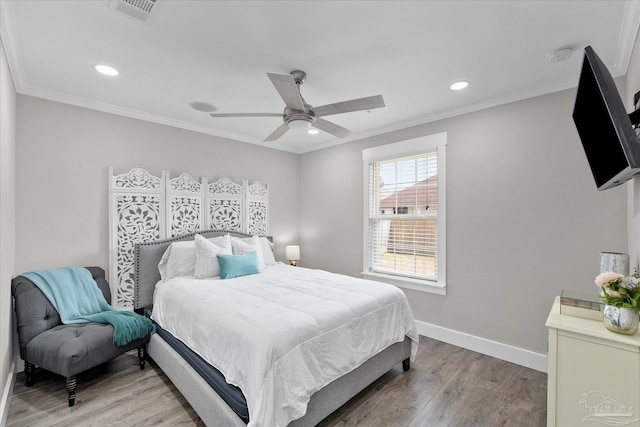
(218, 396)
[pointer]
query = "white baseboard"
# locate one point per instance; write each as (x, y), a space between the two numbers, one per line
(491, 348)
(7, 392)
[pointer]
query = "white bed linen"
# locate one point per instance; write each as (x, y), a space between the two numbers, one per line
(284, 333)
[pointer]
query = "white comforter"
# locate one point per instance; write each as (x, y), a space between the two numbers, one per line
(285, 333)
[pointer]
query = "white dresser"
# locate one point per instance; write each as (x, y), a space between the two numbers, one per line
(594, 374)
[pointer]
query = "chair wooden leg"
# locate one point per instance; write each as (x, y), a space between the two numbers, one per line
(141, 356)
(29, 369)
(72, 384)
(406, 364)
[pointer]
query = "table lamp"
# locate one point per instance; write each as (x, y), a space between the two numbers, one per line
(292, 254)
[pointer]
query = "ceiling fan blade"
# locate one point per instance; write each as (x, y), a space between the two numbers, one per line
(277, 133)
(331, 128)
(246, 115)
(368, 103)
(288, 90)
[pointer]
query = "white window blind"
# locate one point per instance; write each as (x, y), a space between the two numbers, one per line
(403, 212)
(404, 209)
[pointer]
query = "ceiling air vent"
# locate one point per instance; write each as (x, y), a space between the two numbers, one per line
(139, 9)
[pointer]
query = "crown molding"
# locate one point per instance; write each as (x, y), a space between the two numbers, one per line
(141, 115)
(9, 36)
(627, 37)
(8, 33)
(136, 114)
(479, 106)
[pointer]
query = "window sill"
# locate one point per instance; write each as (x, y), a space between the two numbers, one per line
(408, 283)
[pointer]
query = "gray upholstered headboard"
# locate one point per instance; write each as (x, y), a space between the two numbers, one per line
(147, 257)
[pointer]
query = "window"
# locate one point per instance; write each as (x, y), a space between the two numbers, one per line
(405, 213)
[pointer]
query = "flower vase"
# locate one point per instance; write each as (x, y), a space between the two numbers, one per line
(621, 320)
(615, 262)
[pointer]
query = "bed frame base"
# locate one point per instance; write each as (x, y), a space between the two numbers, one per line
(215, 412)
(204, 400)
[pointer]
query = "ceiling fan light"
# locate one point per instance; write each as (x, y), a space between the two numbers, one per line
(299, 124)
(313, 131)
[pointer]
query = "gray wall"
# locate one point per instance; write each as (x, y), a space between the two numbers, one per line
(63, 160)
(7, 222)
(524, 218)
(633, 186)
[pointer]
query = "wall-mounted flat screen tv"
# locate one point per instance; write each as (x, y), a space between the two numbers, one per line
(606, 130)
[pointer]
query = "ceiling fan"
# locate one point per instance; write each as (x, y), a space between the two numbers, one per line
(300, 115)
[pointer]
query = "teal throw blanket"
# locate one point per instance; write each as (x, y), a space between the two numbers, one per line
(77, 298)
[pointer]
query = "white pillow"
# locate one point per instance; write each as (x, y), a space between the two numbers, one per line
(206, 255)
(267, 251)
(179, 260)
(249, 244)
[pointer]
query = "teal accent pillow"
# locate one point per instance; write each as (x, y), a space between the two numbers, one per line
(238, 265)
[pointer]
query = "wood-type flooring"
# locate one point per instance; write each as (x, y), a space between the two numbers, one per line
(447, 386)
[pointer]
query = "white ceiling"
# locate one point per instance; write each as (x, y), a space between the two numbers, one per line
(220, 51)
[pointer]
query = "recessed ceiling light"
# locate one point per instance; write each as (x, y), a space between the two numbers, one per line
(106, 70)
(313, 131)
(459, 85)
(205, 107)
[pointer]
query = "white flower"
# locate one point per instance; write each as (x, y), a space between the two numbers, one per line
(603, 279)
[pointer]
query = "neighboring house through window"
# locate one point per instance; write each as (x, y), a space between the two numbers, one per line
(404, 213)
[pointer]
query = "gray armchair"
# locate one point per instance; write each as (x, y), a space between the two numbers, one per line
(66, 350)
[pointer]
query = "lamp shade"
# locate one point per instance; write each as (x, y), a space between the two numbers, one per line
(292, 253)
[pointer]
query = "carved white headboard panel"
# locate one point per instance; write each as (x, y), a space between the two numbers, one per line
(136, 202)
(257, 219)
(184, 206)
(225, 205)
(144, 207)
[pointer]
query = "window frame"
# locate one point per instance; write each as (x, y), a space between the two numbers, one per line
(411, 147)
